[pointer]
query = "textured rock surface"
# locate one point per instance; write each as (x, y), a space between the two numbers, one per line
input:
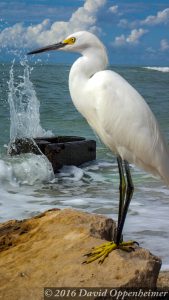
(163, 280)
(23, 145)
(48, 251)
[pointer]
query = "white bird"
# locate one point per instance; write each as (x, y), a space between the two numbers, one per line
(120, 117)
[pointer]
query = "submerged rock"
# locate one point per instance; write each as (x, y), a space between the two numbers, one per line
(23, 145)
(48, 250)
(60, 150)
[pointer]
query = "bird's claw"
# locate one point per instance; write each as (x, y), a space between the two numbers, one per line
(103, 250)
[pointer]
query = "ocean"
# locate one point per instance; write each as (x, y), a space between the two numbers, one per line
(35, 101)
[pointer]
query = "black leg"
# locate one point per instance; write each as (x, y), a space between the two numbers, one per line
(129, 194)
(122, 188)
(130, 186)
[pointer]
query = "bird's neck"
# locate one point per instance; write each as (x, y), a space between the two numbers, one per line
(82, 70)
(91, 61)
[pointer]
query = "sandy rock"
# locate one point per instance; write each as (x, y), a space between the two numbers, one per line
(163, 280)
(48, 250)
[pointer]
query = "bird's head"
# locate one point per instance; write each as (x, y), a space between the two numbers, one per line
(76, 42)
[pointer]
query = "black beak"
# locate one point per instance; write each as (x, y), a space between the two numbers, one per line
(48, 48)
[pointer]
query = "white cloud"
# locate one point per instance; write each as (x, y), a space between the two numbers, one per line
(113, 9)
(18, 36)
(135, 34)
(120, 40)
(84, 18)
(123, 23)
(161, 17)
(164, 45)
(150, 50)
(131, 39)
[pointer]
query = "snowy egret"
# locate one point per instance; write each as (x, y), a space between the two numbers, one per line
(120, 117)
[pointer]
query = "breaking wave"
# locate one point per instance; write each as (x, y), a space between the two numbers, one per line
(160, 69)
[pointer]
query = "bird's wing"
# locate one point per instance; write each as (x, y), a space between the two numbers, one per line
(125, 122)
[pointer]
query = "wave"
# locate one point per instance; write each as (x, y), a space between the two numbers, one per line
(160, 69)
(27, 169)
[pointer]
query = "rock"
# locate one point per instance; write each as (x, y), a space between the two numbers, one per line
(48, 250)
(23, 145)
(60, 150)
(74, 153)
(163, 280)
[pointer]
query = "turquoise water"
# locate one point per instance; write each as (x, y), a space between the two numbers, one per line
(27, 184)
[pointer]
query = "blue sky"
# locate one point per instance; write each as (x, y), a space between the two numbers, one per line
(134, 32)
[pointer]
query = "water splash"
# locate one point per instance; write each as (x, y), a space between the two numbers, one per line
(24, 106)
(27, 169)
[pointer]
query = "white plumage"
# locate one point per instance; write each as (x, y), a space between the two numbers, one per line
(115, 110)
(112, 107)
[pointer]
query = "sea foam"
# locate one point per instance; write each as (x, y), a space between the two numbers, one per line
(160, 69)
(26, 169)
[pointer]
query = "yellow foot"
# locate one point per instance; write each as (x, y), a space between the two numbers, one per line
(103, 250)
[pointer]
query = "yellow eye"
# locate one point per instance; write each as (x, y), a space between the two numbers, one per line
(70, 41)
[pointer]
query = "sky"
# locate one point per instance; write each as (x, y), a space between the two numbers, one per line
(134, 32)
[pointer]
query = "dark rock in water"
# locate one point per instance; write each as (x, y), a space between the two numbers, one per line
(61, 150)
(67, 151)
(23, 145)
